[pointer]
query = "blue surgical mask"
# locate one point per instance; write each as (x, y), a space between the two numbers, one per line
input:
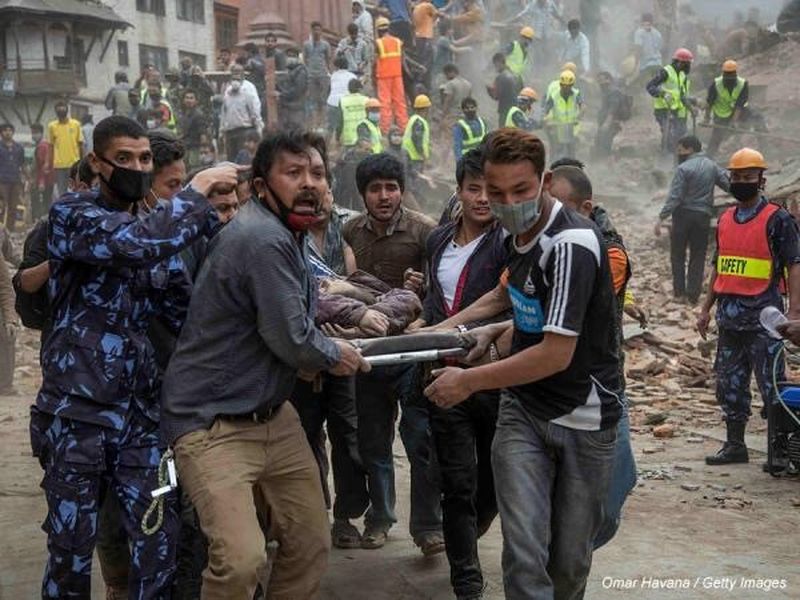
(520, 217)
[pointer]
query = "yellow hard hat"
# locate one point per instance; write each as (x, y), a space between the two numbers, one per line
(373, 103)
(567, 78)
(381, 23)
(527, 32)
(570, 66)
(422, 101)
(747, 158)
(729, 66)
(528, 93)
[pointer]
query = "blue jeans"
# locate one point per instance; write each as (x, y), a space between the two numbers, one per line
(378, 394)
(623, 480)
(551, 484)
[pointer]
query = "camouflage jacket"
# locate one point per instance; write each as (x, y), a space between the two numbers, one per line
(110, 272)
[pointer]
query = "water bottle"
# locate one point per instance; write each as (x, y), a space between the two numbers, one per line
(771, 318)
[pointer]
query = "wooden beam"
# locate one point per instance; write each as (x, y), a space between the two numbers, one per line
(89, 49)
(107, 44)
(44, 45)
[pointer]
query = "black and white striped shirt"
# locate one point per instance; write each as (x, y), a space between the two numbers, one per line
(561, 283)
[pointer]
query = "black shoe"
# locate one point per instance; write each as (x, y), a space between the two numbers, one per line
(733, 451)
(730, 453)
(779, 465)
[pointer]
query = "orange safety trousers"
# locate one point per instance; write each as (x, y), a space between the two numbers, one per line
(392, 96)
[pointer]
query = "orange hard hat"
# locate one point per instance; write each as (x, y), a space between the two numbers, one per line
(527, 32)
(747, 158)
(528, 93)
(729, 66)
(373, 103)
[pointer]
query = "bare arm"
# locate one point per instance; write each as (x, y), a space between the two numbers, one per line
(31, 280)
(487, 306)
(350, 266)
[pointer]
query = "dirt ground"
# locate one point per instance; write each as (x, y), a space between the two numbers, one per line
(685, 523)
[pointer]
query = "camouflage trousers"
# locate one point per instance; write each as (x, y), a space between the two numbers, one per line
(81, 461)
(739, 355)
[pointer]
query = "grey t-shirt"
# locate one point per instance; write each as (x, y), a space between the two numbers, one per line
(250, 327)
(317, 56)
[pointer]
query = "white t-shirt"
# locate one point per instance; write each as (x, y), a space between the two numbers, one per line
(339, 81)
(454, 259)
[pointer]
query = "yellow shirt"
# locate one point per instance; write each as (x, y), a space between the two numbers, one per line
(66, 139)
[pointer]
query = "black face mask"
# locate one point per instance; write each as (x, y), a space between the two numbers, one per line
(745, 190)
(127, 185)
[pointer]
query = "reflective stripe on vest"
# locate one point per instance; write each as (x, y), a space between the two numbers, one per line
(389, 62)
(725, 103)
(677, 84)
(510, 116)
(555, 87)
(408, 142)
(517, 60)
(471, 139)
(564, 117)
(744, 263)
(354, 110)
(375, 135)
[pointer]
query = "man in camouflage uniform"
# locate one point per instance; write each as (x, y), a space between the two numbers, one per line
(95, 423)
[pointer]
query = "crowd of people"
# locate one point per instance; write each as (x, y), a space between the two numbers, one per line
(198, 315)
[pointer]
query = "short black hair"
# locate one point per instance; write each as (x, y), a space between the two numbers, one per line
(379, 166)
(340, 62)
(354, 85)
(114, 127)
(294, 141)
(445, 26)
(166, 149)
(81, 171)
(60, 103)
(252, 136)
(271, 36)
(352, 28)
(316, 24)
(6, 126)
(574, 24)
(120, 76)
(470, 164)
(567, 161)
(450, 68)
(691, 141)
(578, 180)
(498, 57)
(468, 101)
(188, 91)
(37, 127)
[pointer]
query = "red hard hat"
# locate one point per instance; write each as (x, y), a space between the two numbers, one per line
(683, 55)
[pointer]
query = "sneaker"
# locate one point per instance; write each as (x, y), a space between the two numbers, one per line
(374, 538)
(430, 543)
(345, 535)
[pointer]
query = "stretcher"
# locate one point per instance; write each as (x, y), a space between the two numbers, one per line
(414, 348)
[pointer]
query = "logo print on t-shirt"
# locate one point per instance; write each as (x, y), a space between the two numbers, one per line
(529, 289)
(528, 315)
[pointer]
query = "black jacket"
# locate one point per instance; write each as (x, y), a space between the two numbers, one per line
(483, 269)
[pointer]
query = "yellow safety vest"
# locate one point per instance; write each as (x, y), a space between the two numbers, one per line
(725, 103)
(564, 116)
(375, 134)
(354, 110)
(677, 84)
(510, 116)
(471, 140)
(408, 142)
(555, 87)
(517, 61)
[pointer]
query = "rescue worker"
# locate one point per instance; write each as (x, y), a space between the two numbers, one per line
(554, 86)
(469, 131)
(562, 114)
(417, 136)
(368, 128)
(354, 110)
(96, 416)
(389, 77)
(518, 53)
(670, 91)
(727, 99)
(758, 244)
(521, 115)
